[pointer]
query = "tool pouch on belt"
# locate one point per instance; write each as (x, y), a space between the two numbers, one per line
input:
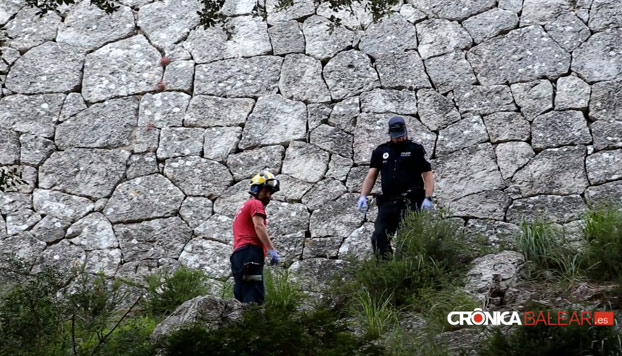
(251, 272)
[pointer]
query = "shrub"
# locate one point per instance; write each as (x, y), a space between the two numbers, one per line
(547, 251)
(375, 314)
(434, 305)
(603, 236)
(166, 291)
(281, 292)
(272, 332)
(554, 340)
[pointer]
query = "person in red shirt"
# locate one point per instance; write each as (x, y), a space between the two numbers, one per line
(251, 241)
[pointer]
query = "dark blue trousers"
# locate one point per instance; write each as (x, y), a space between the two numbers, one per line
(248, 291)
(390, 215)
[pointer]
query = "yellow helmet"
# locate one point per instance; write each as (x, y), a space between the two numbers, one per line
(264, 179)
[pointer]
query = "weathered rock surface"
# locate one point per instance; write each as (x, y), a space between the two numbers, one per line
(559, 209)
(603, 101)
(180, 141)
(596, 60)
(391, 34)
(87, 172)
(89, 27)
(166, 22)
(210, 256)
(125, 67)
(349, 73)
(511, 156)
(209, 111)
(287, 37)
(554, 171)
(220, 142)
(244, 77)
(449, 71)
(48, 68)
(61, 205)
(490, 24)
(604, 166)
(332, 140)
(533, 98)
(507, 126)
(453, 10)
(560, 128)
(147, 197)
(435, 110)
(163, 109)
(93, 232)
(484, 100)
(33, 114)
(402, 71)
(468, 171)
(274, 120)
(336, 218)
(437, 36)
(250, 162)
(572, 93)
(27, 29)
(521, 55)
(301, 79)
(467, 132)
(106, 125)
(314, 274)
(387, 100)
(153, 239)
(493, 274)
(305, 161)
(490, 204)
(607, 134)
(321, 42)
(198, 176)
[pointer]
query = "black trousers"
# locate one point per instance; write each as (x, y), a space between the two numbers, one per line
(248, 291)
(391, 212)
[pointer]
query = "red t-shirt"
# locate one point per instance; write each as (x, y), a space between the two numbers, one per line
(243, 227)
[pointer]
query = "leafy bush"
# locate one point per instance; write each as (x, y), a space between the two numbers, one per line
(603, 235)
(375, 314)
(166, 291)
(435, 304)
(273, 332)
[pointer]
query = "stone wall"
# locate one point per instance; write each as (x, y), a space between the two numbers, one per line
(132, 165)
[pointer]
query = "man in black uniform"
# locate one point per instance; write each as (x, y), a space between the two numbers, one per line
(407, 183)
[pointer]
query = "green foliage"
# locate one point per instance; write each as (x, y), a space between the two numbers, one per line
(376, 314)
(435, 304)
(281, 293)
(547, 251)
(603, 236)
(166, 291)
(542, 340)
(273, 332)
(401, 343)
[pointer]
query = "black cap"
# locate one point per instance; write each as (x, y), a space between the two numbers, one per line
(397, 127)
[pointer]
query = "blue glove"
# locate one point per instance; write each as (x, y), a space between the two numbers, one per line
(427, 205)
(274, 257)
(362, 204)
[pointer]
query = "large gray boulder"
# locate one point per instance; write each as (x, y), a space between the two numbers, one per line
(453, 10)
(180, 141)
(315, 274)
(349, 73)
(61, 205)
(482, 100)
(33, 114)
(9, 147)
(48, 68)
(220, 142)
(141, 198)
(605, 14)
(521, 55)
(287, 37)
(560, 128)
(344, 114)
(250, 162)
(209, 111)
(305, 161)
(274, 120)
(449, 71)
(49, 229)
(206, 44)
(435, 110)
(541, 12)
(332, 140)
(166, 22)
(595, 61)
(23, 246)
(87, 172)
(557, 208)
(243, 77)
(195, 210)
(390, 34)
(605, 193)
(511, 156)
(467, 132)
(105, 125)
(153, 239)
(210, 312)
(468, 171)
(126, 67)
(493, 274)
(247, 37)
(358, 244)
(604, 166)
(217, 228)
(321, 42)
(533, 98)
(210, 256)
(89, 27)
(336, 218)
(402, 71)
(163, 109)
(301, 79)
(490, 204)
(198, 176)
(93, 232)
(568, 31)
(322, 192)
(438, 36)
(27, 29)
(572, 93)
(554, 171)
(507, 126)
(299, 9)
(388, 100)
(34, 149)
(607, 134)
(603, 101)
(490, 24)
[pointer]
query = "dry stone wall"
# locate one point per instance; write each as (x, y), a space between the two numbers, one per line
(131, 165)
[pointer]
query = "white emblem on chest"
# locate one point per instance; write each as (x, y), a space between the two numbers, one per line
(405, 154)
(385, 155)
